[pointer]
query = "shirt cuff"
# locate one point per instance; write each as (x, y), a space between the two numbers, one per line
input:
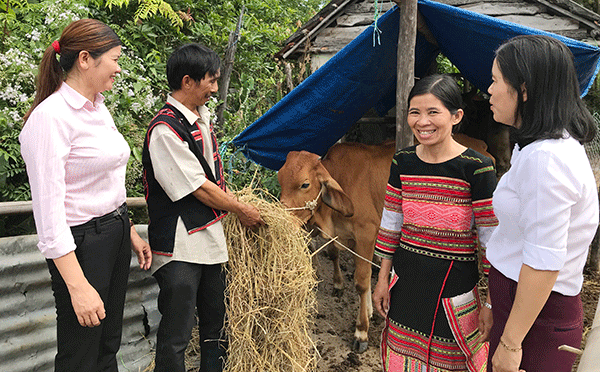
(177, 194)
(58, 247)
(382, 254)
(543, 258)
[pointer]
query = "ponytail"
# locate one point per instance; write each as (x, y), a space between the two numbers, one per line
(49, 78)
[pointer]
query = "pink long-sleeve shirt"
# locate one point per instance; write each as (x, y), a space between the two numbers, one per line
(76, 161)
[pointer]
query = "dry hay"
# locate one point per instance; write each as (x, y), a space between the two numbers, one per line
(271, 297)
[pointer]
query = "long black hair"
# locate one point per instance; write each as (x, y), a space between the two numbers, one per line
(545, 67)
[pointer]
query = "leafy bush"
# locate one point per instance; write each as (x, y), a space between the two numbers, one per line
(149, 33)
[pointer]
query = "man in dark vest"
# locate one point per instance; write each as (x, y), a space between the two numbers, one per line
(187, 198)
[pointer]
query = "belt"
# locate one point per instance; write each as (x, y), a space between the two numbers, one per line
(94, 222)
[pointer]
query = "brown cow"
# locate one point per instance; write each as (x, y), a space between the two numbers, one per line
(348, 185)
(351, 182)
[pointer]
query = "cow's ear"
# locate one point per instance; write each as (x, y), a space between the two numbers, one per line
(336, 198)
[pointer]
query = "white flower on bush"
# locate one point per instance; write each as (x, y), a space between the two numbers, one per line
(13, 94)
(62, 10)
(212, 106)
(149, 102)
(13, 116)
(34, 35)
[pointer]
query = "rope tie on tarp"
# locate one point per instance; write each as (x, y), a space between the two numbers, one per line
(228, 159)
(376, 30)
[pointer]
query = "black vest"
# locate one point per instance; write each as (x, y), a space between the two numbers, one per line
(164, 213)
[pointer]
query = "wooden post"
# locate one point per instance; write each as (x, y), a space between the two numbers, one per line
(288, 76)
(227, 68)
(407, 36)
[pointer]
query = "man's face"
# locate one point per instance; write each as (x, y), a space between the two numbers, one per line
(205, 88)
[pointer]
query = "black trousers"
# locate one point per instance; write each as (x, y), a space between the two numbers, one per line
(104, 253)
(183, 288)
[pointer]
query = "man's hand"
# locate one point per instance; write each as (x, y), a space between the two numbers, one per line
(141, 249)
(249, 216)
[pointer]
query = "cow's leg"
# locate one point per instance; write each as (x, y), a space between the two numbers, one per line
(338, 284)
(362, 281)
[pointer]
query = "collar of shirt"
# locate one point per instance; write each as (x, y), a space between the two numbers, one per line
(78, 101)
(189, 115)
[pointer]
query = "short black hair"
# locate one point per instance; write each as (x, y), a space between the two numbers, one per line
(545, 67)
(194, 60)
(442, 87)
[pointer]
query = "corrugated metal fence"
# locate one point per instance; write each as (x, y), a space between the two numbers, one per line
(28, 317)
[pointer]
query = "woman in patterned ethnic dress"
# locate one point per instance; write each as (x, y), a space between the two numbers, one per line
(438, 194)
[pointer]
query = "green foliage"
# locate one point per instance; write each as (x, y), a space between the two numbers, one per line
(30, 29)
(13, 178)
(149, 30)
(146, 9)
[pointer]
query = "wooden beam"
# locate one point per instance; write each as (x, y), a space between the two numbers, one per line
(407, 36)
(24, 207)
(326, 21)
(565, 12)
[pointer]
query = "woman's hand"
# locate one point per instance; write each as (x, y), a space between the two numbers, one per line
(86, 301)
(381, 294)
(381, 297)
(87, 304)
(485, 323)
(505, 360)
(486, 320)
(141, 249)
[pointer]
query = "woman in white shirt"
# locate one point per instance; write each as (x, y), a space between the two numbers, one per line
(547, 207)
(76, 162)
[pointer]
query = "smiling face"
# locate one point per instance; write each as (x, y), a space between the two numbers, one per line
(104, 69)
(205, 88)
(503, 99)
(431, 122)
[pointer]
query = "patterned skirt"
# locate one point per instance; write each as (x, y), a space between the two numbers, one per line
(407, 350)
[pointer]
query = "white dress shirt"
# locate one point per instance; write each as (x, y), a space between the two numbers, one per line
(547, 207)
(76, 161)
(180, 173)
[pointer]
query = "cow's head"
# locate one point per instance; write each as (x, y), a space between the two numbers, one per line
(304, 179)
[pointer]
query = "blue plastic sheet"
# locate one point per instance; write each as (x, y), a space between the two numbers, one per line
(362, 76)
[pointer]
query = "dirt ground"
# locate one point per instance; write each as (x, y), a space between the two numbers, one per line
(334, 323)
(336, 316)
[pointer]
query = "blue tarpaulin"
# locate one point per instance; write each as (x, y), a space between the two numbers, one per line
(361, 76)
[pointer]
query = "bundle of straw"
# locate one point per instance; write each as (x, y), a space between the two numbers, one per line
(271, 292)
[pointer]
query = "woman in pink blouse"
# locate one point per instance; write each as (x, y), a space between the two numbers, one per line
(76, 162)
(547, 208)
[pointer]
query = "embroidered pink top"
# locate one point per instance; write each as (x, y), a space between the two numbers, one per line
(76, 161)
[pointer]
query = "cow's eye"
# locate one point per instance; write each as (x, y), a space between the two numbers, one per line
(305, 185)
